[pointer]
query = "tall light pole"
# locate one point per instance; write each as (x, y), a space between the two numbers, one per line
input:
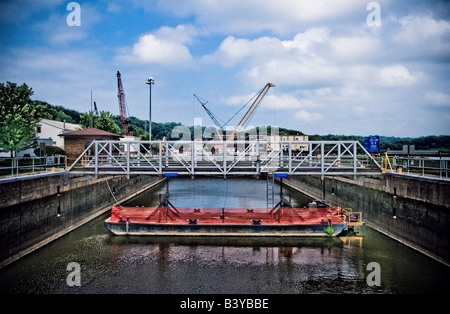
(150, 81)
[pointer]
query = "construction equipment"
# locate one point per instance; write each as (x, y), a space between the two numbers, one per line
(155, 147)
(122, 107)
(244, 120)
(250, 111)
(211, 115)
(96, 110)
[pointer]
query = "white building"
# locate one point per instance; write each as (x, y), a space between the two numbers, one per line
(129, 138)
(49, 129)
(289, 138)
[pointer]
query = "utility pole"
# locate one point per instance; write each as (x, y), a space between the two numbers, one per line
(150, 81)
(92, 113)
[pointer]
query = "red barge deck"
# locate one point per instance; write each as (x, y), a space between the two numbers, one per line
(281, 221)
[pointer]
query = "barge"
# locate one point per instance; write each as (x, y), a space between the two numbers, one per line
(277, 222)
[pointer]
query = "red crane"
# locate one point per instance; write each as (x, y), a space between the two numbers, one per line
(123, 108)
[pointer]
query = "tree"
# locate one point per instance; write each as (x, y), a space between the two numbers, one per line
(104, 121)
(58, 113)
(19, 117)
(87, 120)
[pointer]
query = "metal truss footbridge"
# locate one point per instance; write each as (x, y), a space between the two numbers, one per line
(225, 158)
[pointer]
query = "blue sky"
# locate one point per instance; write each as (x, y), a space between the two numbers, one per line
(334, 72)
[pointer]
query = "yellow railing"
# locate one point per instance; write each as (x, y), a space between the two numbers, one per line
(385, 162)
(351, 217)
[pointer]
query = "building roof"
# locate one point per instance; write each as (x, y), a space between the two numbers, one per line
(90, 132)
(64, 126)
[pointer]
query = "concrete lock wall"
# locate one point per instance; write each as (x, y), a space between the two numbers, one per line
(39, 209)
(412, 210)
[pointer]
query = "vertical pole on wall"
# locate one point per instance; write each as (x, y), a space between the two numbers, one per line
(109, 158)
(96, 158)
(354, 160)
(192, 159)
(224, 159)
(322, 166)
(160, 157)
(290, 157)
(322, 159)
(167, 153)
(339, 154)
(257, 157)
(128, 160)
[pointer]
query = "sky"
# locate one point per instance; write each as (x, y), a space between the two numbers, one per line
(349, 67)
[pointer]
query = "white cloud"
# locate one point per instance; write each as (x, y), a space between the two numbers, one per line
(291, 62)
(283, 102)
(416, 29)
(439, 99)
(234, 50)
(295, 72)
(306, 116)
(182, 34)
(304, 42)
(167, 46)
(315, 56)
(270, 101)
(236, 100)
(151, 49)
(396, 75)
(354, 47)
(253, 16)
(422, 37)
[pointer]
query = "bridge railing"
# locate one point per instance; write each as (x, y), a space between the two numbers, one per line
(16, 166)
(226, 158)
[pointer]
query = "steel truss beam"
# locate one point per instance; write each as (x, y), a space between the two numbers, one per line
(324, 158)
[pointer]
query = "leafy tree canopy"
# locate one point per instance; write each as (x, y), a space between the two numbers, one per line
(105, 121)
(58, 113)
(19, 116)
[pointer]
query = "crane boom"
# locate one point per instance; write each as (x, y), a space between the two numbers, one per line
(250, 111)
(211, 115)
(96, 110)
(122, 106)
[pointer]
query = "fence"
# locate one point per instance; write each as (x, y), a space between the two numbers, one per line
(14, 166)
(424, 166)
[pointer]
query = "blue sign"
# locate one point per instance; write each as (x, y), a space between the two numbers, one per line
(372, 144)
(280, 175)
(171, 174)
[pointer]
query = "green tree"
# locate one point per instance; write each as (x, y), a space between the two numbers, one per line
(105, 121)
(58, 113)
(19, 116)
(87, 120)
